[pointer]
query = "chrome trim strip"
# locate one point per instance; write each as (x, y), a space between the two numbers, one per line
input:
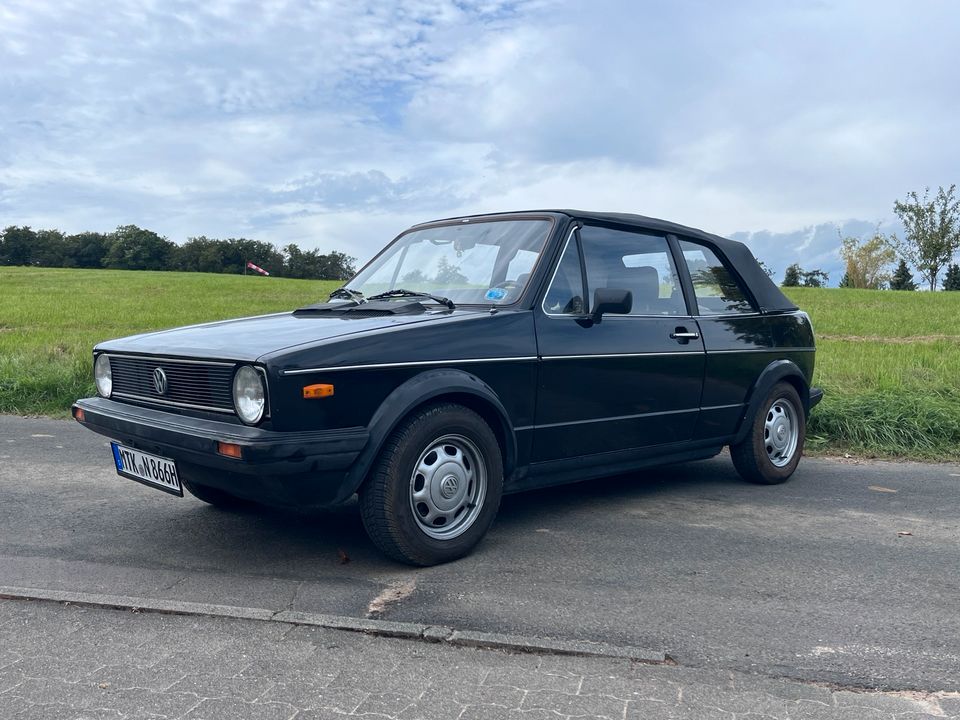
(731, 315)
(266, 395)
(414, 363)
(618, 417)
(763, 350)
(627, 417)
(553, 277)
(617, 316)
(696, 351)
(529, 358)
(172, 404)
(167, 359)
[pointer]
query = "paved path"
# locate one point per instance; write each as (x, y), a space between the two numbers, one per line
(810, 581)
(69, 663)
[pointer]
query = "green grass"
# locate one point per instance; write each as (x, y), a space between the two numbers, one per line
(50, 319)
(872, 314)
(889, 362)
(890, 365)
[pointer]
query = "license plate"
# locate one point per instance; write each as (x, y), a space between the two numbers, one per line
(158, 472)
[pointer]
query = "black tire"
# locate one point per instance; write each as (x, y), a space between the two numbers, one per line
(213, 496)
(751, 457)
(387, 502)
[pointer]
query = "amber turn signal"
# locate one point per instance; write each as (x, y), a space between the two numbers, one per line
(314, 392)
(78, 414)
(230, 450)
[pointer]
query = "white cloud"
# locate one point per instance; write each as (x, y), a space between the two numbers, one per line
(335, 124)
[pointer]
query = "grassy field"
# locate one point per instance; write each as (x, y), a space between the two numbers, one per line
(50, 319)
(890, 362)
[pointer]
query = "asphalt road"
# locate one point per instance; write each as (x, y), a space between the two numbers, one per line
(849, 574)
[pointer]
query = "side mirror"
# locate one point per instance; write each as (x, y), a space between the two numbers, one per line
(611, 300)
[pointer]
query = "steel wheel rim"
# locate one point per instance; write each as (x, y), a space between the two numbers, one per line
(781, 432)
(448, 487)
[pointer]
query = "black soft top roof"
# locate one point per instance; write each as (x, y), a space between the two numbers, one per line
(767, 294)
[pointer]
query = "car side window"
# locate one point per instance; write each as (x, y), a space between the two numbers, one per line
(717, 290)
(634, 261)
(566, 294)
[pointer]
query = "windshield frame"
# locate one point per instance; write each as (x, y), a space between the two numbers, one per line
(476, 219)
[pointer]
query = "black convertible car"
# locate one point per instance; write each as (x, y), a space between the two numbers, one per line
(471, 357)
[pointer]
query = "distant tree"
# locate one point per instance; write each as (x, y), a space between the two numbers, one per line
(296, 263)
(85, 250)
(932, 228)
(337, 266)
(315, 265)
(49, 249)
(414, 277)
(866, 261)
(902, 278)
(449, 274)
(133, 248)
(793, 276)
(815, 278)
(951, 280)
(237, 252)
(200, 254)
(17, 245)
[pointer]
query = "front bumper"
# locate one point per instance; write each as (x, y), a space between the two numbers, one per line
(278, 468)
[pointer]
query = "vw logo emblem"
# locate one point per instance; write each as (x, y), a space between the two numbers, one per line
(449, 486)
(160, 381)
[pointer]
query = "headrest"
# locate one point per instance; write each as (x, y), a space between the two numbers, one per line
(643, 282)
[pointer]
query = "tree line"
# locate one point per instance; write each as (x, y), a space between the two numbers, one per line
(931, 240)
(132, 248)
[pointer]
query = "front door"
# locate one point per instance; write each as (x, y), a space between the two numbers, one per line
(628, 381)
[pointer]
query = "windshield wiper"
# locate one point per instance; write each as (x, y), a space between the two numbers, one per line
(400, 292)
(348, 294)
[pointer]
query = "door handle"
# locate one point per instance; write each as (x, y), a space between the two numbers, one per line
(682, 334)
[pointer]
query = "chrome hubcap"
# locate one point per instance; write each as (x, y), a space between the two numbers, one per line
(448, 487)
(781, 432)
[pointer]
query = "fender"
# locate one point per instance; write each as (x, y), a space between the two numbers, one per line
(412, 393)
(771, 375)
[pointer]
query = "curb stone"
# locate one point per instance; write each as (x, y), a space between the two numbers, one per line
(382, 628)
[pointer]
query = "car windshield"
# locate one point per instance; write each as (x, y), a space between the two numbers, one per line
(477, 262)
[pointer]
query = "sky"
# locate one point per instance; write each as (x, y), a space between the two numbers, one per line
(336, 125)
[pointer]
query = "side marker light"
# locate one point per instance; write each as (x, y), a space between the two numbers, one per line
(315, 392)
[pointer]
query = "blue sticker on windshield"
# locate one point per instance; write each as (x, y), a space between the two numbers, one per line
(496, 294)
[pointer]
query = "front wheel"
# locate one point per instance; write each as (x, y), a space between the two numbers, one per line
(770, 452)
(436, 487)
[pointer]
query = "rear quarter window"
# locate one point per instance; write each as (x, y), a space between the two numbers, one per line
(717, 290)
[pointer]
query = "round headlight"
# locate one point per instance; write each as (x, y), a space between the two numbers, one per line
(249, 395)
(103, 376)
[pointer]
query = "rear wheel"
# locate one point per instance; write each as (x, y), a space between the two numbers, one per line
(436, 487)
(774, 445)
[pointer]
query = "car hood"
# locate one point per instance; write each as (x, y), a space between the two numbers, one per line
(247, 339)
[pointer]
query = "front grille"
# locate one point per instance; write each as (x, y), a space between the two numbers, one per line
(200, 385)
